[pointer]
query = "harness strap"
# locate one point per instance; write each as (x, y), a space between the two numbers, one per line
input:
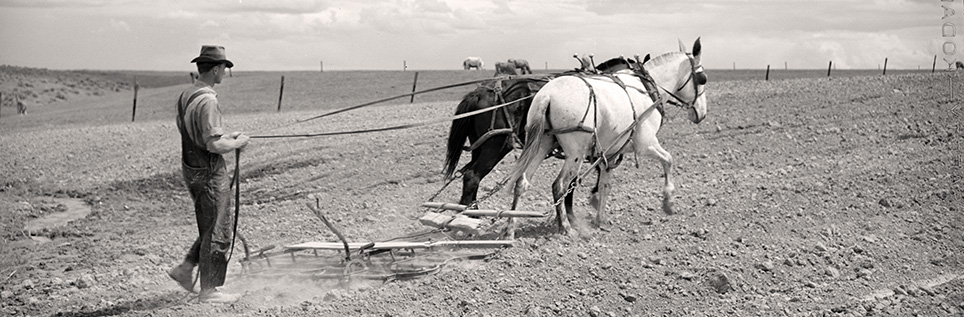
(651, 88)
(498, 99)
(500, 93)
(625, 88)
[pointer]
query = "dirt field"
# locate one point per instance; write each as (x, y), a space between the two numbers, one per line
(807, 197)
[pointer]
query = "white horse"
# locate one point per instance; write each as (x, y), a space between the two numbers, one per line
(473, 62)
(603, 122)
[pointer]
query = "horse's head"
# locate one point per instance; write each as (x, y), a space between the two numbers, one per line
(693, 90)
(679, 76)
(687, 73)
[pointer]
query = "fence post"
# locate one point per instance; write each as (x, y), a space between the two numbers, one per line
(768, 73)
(404, 65)
(828, 68)
(134, 110)
(414, 84)
(322, 66)
(934, 67)
(547, 66)
(885, 66)
(281, 92)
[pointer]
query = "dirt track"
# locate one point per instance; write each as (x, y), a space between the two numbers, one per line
(837, 196)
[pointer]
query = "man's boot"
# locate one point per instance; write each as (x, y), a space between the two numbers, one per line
(214, 295)
(182, 274)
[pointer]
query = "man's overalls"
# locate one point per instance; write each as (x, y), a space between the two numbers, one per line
(206, 176)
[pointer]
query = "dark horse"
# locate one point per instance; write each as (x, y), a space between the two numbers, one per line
(505, 127)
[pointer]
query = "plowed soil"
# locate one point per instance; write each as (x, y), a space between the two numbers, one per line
(806, 197)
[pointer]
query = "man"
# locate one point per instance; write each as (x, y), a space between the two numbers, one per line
(203, 141)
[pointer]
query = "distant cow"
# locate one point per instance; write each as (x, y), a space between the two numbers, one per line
(473, 62)
(504, 69)
(521, 64)
(21, 107)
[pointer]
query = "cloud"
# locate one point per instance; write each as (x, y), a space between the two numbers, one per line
(352, 34)
(416, 17)
(53, 3)
(119, 25)
(272, 6)
(209, 24)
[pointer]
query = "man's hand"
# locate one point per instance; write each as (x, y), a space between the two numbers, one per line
(228, 142)
(241, 139)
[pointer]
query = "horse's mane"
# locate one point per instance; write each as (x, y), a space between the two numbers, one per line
(664, 58)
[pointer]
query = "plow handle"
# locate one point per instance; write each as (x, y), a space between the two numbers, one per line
(318, 213)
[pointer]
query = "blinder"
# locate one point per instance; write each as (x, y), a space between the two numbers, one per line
(699, 76)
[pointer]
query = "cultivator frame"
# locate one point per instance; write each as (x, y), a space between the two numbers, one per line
(396, 259)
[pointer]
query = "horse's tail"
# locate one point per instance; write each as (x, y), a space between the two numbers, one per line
(458, 133)
(535, 131)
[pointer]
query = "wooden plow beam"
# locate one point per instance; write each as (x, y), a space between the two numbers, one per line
(463, 221)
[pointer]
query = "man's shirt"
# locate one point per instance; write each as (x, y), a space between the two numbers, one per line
(202, 118)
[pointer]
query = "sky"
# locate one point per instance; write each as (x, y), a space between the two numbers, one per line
(282, 35)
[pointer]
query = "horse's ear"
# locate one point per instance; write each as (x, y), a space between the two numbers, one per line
(682, 48)
(646, 59)
(697, 47)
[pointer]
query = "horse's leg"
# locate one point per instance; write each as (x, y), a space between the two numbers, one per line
(484, 159)
(657, 151)
(600, 195)
(561, 189)
(470, 183)
(522, 184)
(570, 216)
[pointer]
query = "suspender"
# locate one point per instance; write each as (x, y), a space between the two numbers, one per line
(182, 127)
(192, 154)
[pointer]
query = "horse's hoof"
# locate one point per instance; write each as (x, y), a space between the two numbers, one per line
(601, 223)
(565, 231)
(668, 208)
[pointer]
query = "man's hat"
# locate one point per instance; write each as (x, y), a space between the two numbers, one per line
(212, 54)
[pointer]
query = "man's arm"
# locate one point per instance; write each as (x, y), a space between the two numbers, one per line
(227, 142)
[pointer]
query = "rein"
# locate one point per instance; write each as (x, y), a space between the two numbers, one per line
(393, 98)
(236, 183)
(398, 127)
(471, 82)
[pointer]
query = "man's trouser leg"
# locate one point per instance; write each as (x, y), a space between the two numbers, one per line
(215, 225)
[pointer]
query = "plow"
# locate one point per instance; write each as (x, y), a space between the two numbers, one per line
(399, 258)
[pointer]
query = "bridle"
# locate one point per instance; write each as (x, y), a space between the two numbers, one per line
(697, 76)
